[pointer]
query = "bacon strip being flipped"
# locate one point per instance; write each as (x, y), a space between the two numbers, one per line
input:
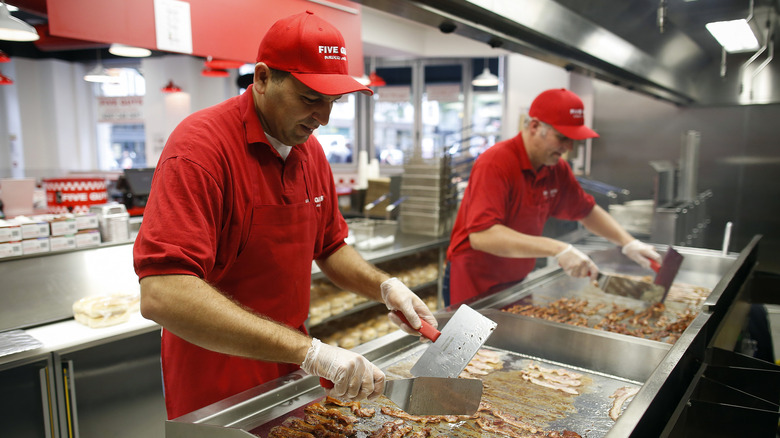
(620, 396)
(397, 413)
(353, 405)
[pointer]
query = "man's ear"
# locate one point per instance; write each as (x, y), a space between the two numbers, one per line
(262, 76)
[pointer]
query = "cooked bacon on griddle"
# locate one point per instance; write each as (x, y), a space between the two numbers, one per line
(424, 432)
(387, 429)
(330, 424)
(564, 434)
(317, 408)
(620, 396)
(397, 413)
(353, 405)
(316, 429)
(514, 421)
(286, 432)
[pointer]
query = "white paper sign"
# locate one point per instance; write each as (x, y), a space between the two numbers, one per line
(395, 93)
(121, 109)
(173, 25)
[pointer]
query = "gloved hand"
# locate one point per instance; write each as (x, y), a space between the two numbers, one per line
(641, 253)
(397, 296)
(353, 376)
(576, 264)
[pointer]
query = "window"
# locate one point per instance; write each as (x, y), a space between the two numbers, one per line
(121, 139)
(393, 116)
(442, 109)
(338, 136)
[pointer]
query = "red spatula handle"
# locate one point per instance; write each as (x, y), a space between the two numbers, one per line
(655, 266)
(426, 329)
(325, 383)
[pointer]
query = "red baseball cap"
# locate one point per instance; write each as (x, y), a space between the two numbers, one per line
(313, 51)
(563, 110)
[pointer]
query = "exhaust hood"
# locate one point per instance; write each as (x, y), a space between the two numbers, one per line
(656, 47)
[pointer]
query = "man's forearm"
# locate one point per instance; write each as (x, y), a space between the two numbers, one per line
(503, 241)
(193, 310)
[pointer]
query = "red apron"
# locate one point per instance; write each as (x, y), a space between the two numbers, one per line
(272, 276)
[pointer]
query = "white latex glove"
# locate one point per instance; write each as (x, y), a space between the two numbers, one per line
(353, 376)
(397, 296)
(641, 253)
(576, 264)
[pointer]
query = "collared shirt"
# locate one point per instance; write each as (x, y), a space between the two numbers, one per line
(505, 189)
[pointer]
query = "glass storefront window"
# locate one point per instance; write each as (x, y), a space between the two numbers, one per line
(338, 136)
(442, 105)
(486, 121)
(393, 116)
(122, 145)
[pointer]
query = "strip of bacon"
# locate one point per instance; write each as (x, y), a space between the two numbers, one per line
(620, 396)
(420, 418)
(317, 408)
(353, 405)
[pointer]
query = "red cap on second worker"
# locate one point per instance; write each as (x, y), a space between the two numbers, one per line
(563, 110)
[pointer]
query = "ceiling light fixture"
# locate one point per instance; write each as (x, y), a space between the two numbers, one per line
(486, 78)
(99, 73)
(5, 80)
(14, 29)
(214, 73)
(128, 51)
(735, 36)
(375, 80)
(170, 87)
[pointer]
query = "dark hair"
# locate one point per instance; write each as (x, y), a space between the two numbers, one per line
(278, 75)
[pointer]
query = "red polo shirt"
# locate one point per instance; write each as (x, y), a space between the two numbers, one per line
(226, 208)
(505, 189)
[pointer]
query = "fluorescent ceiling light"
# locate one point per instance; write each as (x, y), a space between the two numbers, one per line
(128, 51)
(14, 29)
(735, 36)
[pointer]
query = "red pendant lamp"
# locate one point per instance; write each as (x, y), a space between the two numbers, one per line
(170, 87)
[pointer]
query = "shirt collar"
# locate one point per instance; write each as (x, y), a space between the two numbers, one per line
(525, 163)
(253, 129)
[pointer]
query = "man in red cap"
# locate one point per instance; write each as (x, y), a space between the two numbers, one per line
(514, 187)
(242, 201)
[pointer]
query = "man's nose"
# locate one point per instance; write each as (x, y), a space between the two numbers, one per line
(322, 113)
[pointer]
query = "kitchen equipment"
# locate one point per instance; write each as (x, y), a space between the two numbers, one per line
(666, 273)
(651, 292)
(454, 346)
(432, 395)
(627, 287)
(113, 221)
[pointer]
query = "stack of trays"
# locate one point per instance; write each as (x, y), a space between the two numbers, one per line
(430, 197)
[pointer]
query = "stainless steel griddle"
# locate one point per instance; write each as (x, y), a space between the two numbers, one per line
(608, 360)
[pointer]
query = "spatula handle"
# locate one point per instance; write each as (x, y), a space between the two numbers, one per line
(427, 330)
(325, 383)
(655, 266)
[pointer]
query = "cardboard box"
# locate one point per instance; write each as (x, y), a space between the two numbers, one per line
(32, 229)
(35, 246)
(10, 232)
(10, 249)
(62, 226)
(87, 238)
(62, 243)
(86, 221)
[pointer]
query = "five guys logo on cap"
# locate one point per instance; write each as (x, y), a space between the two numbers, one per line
(576, 112)
(328, 50)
